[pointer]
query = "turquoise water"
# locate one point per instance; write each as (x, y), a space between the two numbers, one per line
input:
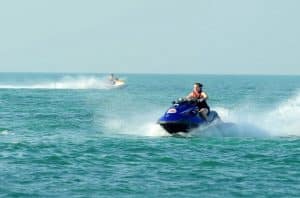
(74, 135)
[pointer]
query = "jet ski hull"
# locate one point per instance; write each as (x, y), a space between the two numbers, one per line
(175, 127)
(183, 116)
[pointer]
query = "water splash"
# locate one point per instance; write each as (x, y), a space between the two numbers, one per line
(284, 119)
(281, 121)
(135, 125)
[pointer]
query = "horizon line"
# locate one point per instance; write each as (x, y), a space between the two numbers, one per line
(153, 73)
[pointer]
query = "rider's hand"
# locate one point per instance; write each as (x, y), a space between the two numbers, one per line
(200, 100)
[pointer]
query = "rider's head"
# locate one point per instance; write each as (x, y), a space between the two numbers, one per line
(198, 87)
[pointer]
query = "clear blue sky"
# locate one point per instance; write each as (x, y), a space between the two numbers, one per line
(151, 36)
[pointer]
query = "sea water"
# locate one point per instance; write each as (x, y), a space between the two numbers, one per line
(74, 135)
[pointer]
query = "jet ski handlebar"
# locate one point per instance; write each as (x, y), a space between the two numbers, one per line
(182, 100)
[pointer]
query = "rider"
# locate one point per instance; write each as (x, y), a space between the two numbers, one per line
(112, 79)
(201, 97)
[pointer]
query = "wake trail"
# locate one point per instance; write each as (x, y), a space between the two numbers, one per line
(66, 82)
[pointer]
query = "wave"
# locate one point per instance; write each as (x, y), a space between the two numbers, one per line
(66, 82)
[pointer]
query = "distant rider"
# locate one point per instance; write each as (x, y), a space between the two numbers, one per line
(201, 97)
(112, 79)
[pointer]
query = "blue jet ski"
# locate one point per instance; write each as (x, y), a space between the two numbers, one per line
(183, 116)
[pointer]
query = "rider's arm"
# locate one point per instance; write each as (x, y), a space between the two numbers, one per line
(190, 96)
(204, 95)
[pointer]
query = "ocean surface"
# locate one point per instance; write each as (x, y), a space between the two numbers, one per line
(74, 135)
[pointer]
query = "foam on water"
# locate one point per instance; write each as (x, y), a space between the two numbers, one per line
(4, 132)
